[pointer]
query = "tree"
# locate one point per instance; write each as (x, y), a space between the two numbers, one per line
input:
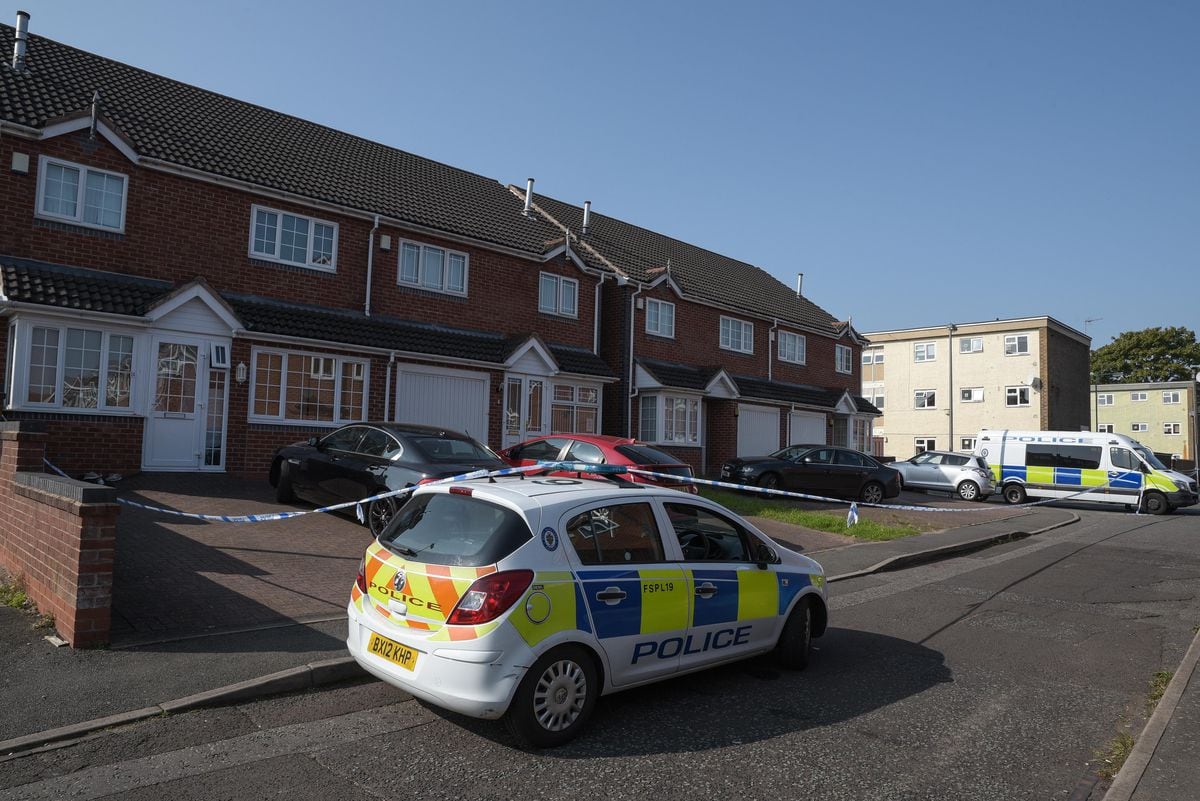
(1152, 354)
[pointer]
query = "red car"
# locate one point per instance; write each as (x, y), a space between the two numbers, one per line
(601, 449)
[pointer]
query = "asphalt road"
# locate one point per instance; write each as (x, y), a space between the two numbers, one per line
(993, 676)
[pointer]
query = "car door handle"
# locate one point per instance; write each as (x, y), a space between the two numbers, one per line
(706, 590)
(611, 595)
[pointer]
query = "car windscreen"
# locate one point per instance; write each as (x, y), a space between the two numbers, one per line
(444, 449)
(450, 529)
(662, 462)
(1150, 458)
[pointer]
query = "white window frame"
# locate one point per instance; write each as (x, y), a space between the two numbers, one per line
(843, 359)
(800, 343)
(970, 344)
(1171, 429)
(20, 343)
(1171, 396)
(1017, 392)
(1014, 340)
(339, 361)
(560, 284)
(970, 394)
(660, 399)
(967, 443)
(421, 280)
(924, 352)
(575, 403)
(922, 444)
(725, 338)
(1138, 397)
(1140, 428)
(872, 356)
(1104, 428)
(1104, 399)
(661, 306)
(80, 194)
(924, 398)
(274, 257)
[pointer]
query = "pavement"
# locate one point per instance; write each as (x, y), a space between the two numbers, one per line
(210, 614)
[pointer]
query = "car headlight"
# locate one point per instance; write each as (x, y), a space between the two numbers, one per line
(1183, 485)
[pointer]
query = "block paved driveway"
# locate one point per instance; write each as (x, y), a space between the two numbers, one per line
(176, 577)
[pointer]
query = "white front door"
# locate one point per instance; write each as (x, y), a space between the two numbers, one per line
(525, 405)
(182, 431)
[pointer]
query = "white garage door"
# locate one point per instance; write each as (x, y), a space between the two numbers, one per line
(758, 430)
(456, 400)
(806, 428)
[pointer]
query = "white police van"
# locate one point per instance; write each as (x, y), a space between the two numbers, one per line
(529, 598)
(1060, 464)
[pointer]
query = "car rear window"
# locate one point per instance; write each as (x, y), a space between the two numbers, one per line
(442, 449)
(449, 529)
(640, 454)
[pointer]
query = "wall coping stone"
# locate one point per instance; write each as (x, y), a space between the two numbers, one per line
(73, 489)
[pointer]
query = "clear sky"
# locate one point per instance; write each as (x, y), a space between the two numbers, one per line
(920, 162)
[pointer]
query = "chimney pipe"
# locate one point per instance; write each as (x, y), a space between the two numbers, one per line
(799, 285)
(528, 198)
(18, 62)
(587, 215)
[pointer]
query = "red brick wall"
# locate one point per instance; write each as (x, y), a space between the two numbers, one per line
(62, 549)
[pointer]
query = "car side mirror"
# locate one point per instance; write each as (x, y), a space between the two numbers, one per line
(314, 442)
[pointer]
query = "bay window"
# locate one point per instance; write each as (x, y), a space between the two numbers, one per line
(77, 368)
(670, 419)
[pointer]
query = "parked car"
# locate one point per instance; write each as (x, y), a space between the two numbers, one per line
(528, 600)
(364, 459)
(817, 470)
(966, 475)
(602, 449)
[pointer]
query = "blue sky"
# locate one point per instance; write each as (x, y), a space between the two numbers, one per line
(920, 162)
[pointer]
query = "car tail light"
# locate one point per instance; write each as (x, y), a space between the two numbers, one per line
(361, 580)
(490, 597)
(426, 480)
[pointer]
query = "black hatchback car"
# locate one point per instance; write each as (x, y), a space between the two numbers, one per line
(817, 470)
(364, 459)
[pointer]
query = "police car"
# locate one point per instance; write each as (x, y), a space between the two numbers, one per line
(527, 598)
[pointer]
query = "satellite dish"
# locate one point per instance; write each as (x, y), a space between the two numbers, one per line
(1035, 382)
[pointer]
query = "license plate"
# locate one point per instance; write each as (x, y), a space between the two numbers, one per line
(393, 651)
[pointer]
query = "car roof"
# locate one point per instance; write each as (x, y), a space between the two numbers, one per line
(595, 439)
(417, 430)
(520, 491)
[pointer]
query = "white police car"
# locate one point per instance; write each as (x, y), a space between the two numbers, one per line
(527, 598)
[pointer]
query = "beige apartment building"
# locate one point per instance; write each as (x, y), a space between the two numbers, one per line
(938, 386)
(1160, 415)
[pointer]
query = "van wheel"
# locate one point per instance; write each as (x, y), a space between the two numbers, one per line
(795, 642)
(1155, 503)
(968, 491)
(284, 493)
(555, 699)
(1015, 493)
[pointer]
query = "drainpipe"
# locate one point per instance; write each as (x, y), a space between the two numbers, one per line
(387, 388)
(596, 317)
(771, 347)
(370, 265)
(632, 389)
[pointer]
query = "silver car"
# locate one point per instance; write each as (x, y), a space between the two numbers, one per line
(967, 476)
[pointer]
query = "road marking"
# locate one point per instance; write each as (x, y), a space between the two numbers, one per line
(198, 760)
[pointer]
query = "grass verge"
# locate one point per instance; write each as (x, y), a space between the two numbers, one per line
(789, 512)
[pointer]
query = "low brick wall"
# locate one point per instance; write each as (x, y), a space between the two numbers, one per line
(58, 536)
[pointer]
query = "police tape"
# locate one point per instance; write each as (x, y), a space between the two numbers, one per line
(265, 517)
(804, 496)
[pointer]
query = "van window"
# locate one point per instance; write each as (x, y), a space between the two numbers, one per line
(1086, 457)
(1123, 459)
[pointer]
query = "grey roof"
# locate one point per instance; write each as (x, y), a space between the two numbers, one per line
(203, 130)
(644, 255)
(28, 281)
(681, 376)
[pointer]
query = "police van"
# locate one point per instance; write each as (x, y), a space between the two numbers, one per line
(1058, 464)
(528, 598)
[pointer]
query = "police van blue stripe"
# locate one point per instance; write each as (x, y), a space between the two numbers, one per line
(1125, 480)
(721, 607)
(1010, 471)
(1069, 476)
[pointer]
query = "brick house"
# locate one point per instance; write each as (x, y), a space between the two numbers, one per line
(190, 281)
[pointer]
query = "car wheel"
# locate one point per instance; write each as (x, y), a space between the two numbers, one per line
(1014, 493)
(380, 513)
(555, 699)
(872, 493)
(968, 490)
(1155, 503)
(768, 481)
(795, 642)
(284, 492)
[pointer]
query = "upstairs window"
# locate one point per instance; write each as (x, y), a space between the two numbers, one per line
(872, 356)
(844, 356)
(1104, 399)
(1137, 396)
(1016, 344)
(432, 268)
(971, 394)
(660, 318)
(925, 399)
(293, 239)
(1171, 428)
(970, 345)
(1172, 396)
(1104, 428)
(1016, 396)
(924, 351)
(1140, 428)
(82, 195)
(737, 335)
(558, 295)
(792, 347)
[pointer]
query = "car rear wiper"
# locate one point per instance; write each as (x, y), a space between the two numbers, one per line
(403, 550)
